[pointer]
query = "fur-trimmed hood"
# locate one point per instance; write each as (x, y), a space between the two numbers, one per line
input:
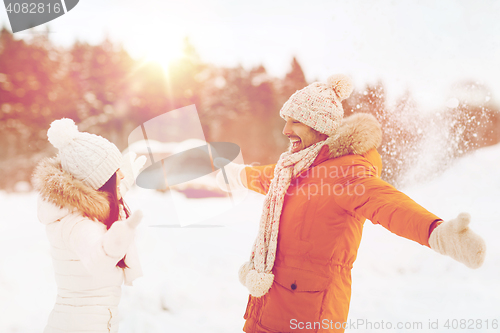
(62, 190)
(356, 135)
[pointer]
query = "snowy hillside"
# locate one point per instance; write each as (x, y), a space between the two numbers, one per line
(190, 279)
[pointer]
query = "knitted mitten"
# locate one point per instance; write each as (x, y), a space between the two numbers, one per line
(455, 239)
(119, 236)
(130, 168)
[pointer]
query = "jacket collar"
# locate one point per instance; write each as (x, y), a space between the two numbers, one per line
(356, 135)
(61, 189)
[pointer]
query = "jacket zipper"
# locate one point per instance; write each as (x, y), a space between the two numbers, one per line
(109, 322)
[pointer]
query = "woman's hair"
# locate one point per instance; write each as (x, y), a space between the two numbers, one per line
(114, 208)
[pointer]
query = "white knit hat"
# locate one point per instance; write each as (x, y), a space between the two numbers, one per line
(319, 105)
(87, 157)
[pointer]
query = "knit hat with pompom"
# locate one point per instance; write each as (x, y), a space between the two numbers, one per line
(87, 157)
(319, 105)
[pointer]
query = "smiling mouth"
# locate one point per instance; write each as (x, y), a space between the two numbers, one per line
(295, 144)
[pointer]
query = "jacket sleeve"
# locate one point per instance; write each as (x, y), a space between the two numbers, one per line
(86, 238)
(363, 192)
(259, 178)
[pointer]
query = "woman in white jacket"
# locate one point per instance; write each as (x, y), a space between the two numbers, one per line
(90, 230)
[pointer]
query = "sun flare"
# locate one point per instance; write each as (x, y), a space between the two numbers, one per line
(162, 51)
(163, 54)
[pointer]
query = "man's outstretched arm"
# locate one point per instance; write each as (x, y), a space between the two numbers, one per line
(240, 176)
(382, 204)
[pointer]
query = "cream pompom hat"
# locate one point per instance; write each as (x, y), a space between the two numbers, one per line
(87, 157)
(319, 105)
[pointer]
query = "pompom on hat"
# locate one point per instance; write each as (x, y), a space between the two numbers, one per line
(319, 105)
(87, 157)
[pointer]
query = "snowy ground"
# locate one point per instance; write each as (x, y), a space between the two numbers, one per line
(191, 284)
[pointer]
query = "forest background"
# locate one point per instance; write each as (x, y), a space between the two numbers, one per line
(108, 92)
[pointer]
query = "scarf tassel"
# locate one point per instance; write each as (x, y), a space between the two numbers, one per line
(258, 283)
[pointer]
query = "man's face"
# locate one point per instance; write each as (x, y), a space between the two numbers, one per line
(301, 136)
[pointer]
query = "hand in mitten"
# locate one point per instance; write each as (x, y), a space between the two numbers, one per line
(455, 239)
(229, 177)
(130, 168)
(119, 236)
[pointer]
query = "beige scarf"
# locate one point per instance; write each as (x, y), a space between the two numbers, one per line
(256, 274)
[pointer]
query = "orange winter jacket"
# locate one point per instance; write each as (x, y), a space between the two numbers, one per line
(320, 231)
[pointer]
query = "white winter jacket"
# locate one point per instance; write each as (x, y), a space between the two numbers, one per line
(88, 280)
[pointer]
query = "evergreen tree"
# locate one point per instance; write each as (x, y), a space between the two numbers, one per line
(293, 81)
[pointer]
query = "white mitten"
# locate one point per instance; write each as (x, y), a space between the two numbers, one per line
(119, 236)
(232, 171)
(130, 168)
(455, 239)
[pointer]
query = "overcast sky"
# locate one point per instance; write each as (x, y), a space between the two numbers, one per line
(423, 46)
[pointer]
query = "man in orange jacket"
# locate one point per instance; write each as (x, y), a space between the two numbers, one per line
(318, 196)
